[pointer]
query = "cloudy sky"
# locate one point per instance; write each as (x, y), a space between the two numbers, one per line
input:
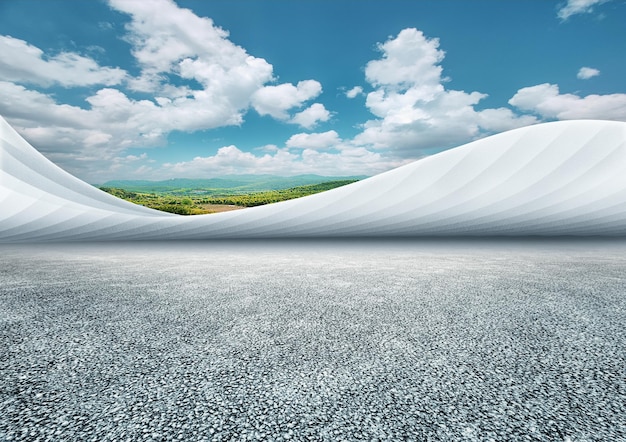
(157, 89)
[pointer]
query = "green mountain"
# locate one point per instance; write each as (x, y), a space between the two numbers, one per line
(227, 184)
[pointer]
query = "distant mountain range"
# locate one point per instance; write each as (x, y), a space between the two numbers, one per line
(226, 183)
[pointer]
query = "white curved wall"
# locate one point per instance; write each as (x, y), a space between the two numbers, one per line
(561, 178)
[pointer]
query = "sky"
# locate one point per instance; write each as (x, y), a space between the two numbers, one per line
(160, 89)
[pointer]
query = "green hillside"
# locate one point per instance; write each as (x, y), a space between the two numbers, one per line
(190, 203)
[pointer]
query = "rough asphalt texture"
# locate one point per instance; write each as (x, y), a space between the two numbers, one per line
(313, 341)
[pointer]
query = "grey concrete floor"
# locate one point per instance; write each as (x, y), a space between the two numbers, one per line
(372, 340)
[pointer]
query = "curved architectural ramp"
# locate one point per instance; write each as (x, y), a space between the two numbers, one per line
(561, 178)
(25, 171)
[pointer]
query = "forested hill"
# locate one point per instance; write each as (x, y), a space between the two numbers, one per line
(229, 184)
(195, 204)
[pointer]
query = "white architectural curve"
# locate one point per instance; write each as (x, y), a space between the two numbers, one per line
(560, 178)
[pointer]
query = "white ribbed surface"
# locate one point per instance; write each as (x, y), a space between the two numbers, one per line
(562, 178)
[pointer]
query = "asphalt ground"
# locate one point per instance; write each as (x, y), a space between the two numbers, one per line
(314, 340)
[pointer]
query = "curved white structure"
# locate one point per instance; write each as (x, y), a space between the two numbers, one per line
(561, 178)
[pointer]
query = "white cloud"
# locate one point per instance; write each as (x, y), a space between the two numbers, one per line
(573, 7)
(350, 161)
(215, 84)
(408, 60)
(168, 40)
(85, 141)
(81, 140)
(502, 119)
(414, 111)
(143, 156)
(547, 101)
(113, 120)
(106, 26)
(315, 141)
(309, 117)
(126, 163)
(268, 148)
(231, 160)
(352, 93)
(277, 100)
(18, 102)
(586, 73)
(25, 63)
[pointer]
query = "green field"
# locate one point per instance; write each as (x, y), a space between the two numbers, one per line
(197, 202)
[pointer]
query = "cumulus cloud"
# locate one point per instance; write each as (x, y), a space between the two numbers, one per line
(126, 163)
(113, 121)
(22, 62)
(354, 92)
(227, 160)
(547, 101)
(193, 76)
(502, 119)
(414, 110)
(350, 161)
(586, 73)
(276, 101)
(169, 39)
(143, 156)
(315, 141)
(309, 117)
(408, 60)
(573, 7)
(232, 160)
(163, 43)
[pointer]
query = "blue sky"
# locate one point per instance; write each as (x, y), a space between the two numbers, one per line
(139, 89)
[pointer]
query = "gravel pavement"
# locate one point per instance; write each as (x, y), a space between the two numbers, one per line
(320, 341)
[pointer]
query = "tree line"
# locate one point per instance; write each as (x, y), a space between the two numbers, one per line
(194, 204)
